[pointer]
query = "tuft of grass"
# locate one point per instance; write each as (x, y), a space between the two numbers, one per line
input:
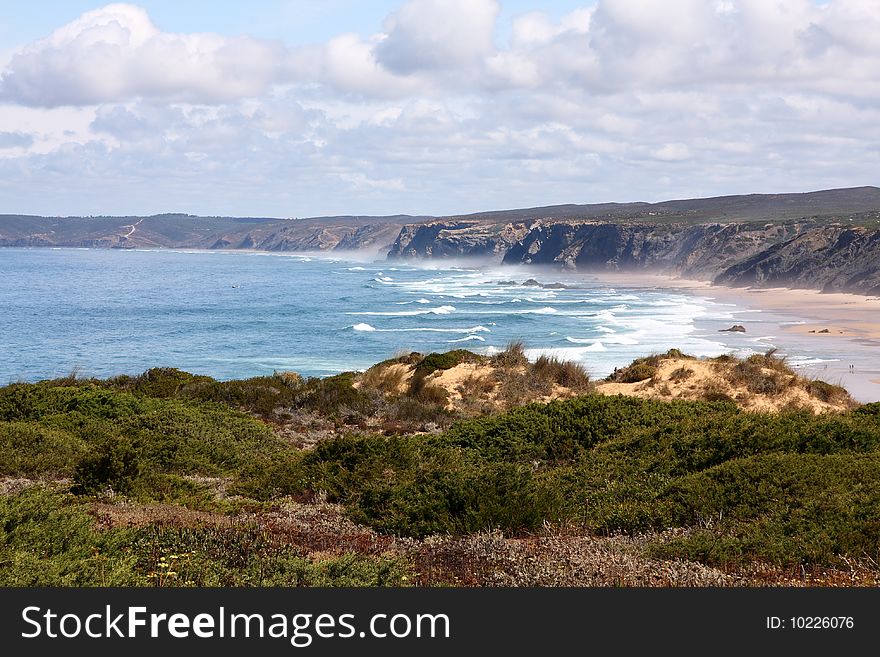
(567, 374)
(828, 392)
(681, 374)
(477, 386)
(386, 379)
(771, 361)
(758, 379)
(714, 393)
(514, 355)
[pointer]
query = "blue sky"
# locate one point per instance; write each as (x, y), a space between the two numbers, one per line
(292, 21)
(299, 108)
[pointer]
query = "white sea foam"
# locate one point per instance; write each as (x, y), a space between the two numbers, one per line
(407, 303)
(422, 329)
(469, 338)
(608, 339)
(440, 310)
(566, 353)
(806, 361)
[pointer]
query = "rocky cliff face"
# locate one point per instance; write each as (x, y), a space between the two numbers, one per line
(831, 259)
(457, 239)
(795, 253)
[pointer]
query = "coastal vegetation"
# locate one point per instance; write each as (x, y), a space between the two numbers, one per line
(366, 479)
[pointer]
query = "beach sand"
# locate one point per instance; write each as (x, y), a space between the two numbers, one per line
(852, 323)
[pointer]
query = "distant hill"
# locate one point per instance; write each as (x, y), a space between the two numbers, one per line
(862, 204)
(188, 231)
(750, 207)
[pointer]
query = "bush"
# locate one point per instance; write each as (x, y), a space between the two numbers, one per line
(161, 382)
(446, 360)
(113, 464)
(635, 373)
(477, 386)
(29, 449)
(402, 486)
(757, 379)
(828, 392)
(47, 539)
(770, 361)
(782, 508)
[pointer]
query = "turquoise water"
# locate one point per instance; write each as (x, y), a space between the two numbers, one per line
(240, 314)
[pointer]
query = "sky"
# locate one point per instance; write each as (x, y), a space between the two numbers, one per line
(304, 108)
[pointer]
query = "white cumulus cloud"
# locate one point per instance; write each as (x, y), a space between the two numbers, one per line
(438, 35)
(117, 53)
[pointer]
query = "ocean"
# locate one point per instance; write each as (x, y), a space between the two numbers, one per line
(230, 315)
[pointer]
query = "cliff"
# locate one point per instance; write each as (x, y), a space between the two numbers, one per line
(827, 240)
(799, 254)
(752, 241)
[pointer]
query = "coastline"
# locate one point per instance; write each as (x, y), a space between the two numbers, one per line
(852, 322)
(792, 320)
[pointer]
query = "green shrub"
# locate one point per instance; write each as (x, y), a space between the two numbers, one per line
(47, 539)
(446, 360)
(756, 377)
(30, 449)
(782, 508)
(113, 464)
(634, 373)
(828, 392)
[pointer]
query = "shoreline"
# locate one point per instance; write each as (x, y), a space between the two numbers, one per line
(852, 322)
(823, 333)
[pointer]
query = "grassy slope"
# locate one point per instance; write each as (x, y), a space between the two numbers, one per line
(741, 488)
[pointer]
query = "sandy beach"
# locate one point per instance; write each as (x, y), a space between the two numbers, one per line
(819, 321)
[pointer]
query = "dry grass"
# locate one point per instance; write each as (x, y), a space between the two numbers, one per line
(513, 356)
(477, 386)
(566, 374)
(828, 392)
(388, 380)
(763, 382)
(681, 374)
(759, 380)
(554, 557)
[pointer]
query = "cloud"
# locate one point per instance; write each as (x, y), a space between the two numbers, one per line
(442, 47)
(15, 139)
(432, 35)
(116, 53)
(435, 113)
